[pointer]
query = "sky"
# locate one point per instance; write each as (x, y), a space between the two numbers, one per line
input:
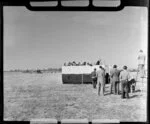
(49, 39)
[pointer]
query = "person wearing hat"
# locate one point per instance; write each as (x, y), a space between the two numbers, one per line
(124, 78)
(101, 80)
(115, 79)
(94, 78)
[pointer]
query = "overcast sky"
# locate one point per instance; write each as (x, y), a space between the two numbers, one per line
(48, 39)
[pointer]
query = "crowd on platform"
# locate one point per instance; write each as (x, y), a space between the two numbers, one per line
(81, 64)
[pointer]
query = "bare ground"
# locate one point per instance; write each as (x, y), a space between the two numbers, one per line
(28, 96)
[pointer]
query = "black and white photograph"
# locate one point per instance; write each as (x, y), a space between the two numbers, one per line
(75, 65)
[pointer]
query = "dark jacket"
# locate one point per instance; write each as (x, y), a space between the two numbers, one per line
(93, 74)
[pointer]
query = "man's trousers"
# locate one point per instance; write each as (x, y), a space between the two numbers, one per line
(101, 87)
(94, 82)
(116, 87)
(124, 89)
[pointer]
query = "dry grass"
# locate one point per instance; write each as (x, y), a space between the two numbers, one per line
(28, 96)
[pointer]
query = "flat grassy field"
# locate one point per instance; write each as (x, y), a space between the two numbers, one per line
(29, 96)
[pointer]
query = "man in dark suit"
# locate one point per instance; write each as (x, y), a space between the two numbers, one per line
(94, 78)
(115, 79)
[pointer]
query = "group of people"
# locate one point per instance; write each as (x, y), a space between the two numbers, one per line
(80, 64)
(116, 77)
(77, 64)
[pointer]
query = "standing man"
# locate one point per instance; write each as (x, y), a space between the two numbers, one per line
(141, 60)
(141, 64)
(94, 78)
(111, 82)
(115, 79)
(124, 78)
(107, 74)
(101, 80)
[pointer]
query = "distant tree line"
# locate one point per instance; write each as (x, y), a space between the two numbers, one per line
(51, 70)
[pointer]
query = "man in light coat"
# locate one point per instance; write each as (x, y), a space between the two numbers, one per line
(124, 78)
(141, 64)
(101, 80)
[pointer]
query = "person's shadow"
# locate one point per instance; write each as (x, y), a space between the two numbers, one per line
(107, 93)
(133, 96)
(137, 91)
